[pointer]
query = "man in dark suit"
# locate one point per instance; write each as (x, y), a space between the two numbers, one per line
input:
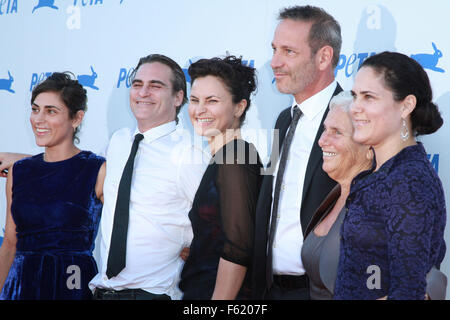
(306, 48)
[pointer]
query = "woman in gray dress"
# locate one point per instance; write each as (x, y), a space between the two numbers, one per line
(343, 159)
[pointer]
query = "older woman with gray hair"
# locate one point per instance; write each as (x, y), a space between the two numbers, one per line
(343, 159)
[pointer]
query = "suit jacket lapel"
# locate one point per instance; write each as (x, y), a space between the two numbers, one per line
(282, 126)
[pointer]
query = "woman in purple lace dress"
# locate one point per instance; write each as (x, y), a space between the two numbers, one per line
(393, 232)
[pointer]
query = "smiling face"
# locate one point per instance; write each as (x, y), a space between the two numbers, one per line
(50, 120)
(376, 116)
(152, 99)
(211, 108)
(292, 64)
(343, 158)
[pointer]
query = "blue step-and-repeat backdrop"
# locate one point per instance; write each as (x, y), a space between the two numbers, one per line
(100, 41)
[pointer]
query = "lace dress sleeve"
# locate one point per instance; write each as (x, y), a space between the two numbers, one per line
(239, 184)
(416, 219)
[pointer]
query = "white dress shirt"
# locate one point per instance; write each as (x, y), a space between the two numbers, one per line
(167, 172)
(288, 241)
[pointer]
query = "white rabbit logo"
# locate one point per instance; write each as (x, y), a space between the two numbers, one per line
(87, 80)
(45, 3)
(5, 84)
(428, 60)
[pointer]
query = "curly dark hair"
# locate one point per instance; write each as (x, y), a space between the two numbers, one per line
(404, 76)
(70, 90)
(239, 79)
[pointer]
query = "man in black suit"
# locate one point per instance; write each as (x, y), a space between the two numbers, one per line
(306, 48)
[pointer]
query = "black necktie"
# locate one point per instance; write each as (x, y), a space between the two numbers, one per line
(118, 246)
(276, 196)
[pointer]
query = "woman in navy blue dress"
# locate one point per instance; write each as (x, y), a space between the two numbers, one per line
(54, 202)
(223, 210)
(393, 233)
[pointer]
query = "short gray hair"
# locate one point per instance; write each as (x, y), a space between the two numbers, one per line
(343, 100)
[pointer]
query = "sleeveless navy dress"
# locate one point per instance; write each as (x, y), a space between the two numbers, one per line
(57, 213)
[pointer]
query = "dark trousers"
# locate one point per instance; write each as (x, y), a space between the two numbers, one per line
(127, 294)
(289, 288)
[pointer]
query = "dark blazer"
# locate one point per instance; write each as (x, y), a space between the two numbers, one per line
(316, 186)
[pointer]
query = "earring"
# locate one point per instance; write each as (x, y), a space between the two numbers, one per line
(405, 132)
